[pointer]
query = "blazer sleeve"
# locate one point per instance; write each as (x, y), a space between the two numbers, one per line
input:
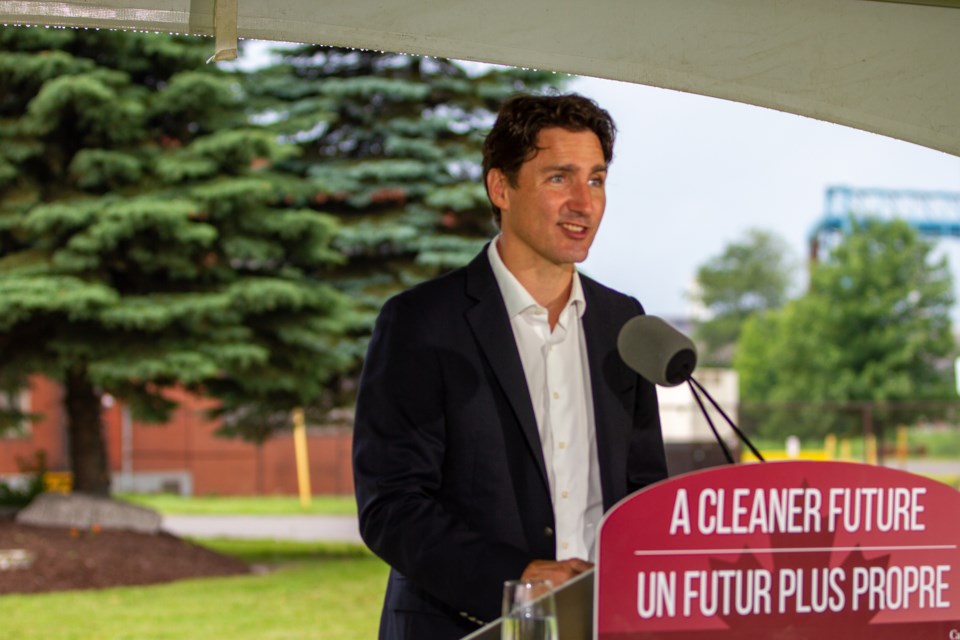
(399, 456)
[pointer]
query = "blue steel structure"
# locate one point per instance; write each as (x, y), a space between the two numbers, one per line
(931, 213)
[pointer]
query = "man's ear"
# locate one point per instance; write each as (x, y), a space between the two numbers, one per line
(497, 188)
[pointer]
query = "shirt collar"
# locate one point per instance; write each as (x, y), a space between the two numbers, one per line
(516, 298)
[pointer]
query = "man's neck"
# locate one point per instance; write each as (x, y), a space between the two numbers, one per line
(549, 284)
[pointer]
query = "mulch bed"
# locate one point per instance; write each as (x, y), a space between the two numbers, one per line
(87, 559)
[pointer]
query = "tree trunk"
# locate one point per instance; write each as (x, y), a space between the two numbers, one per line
(88, 450)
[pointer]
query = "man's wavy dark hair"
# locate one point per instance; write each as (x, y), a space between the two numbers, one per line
(513, 139)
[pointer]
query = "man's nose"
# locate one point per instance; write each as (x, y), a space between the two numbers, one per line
(582, 198)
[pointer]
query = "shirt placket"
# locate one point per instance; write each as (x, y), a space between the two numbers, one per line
(561, 409)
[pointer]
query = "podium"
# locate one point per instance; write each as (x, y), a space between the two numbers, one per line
(799, 550)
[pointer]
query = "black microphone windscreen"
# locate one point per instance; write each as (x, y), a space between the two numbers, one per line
(657, 351)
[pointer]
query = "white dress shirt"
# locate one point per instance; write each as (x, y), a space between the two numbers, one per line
(558, 378)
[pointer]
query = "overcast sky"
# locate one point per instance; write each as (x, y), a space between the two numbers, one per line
(690, 174)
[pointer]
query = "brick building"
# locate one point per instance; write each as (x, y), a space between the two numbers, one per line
(183, 456)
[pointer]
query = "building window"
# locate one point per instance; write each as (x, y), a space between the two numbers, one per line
(14, 414)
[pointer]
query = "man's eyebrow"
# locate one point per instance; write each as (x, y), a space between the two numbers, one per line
(569, 168)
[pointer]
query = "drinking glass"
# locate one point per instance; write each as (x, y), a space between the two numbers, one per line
(529, 610)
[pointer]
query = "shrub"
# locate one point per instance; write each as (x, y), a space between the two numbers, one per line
(19, 494)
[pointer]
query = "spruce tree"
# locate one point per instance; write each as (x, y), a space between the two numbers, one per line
(391, 146)
(165, 222)
(144, 244)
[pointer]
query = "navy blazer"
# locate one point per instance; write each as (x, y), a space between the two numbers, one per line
(449, 472)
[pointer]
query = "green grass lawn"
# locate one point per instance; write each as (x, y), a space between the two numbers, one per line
(937, 443)
(310, 590)
(243, 505)
(317, 590)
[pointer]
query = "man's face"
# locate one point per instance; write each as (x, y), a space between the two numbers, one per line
(551, 216)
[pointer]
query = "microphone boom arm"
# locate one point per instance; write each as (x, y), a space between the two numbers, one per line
(694, 385)
(703, 410)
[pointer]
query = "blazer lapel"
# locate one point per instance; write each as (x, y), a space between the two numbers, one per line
(609, 387)
(490, 325)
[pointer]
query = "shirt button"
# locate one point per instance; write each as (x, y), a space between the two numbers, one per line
(565, 546)
(556, 396)
(564, 494)
(548, 531)
(562, 445)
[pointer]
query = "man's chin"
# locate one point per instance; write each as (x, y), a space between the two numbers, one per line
(576, 257)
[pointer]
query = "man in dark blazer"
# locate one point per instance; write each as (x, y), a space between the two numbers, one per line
(455, 464)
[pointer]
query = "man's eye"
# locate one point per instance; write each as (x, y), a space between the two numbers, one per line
(557, 178)
(596, 182)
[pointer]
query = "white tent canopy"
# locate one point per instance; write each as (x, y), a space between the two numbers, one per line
(888, 67)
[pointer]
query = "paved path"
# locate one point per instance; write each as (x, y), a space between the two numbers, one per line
(330, 528)
(927, 467)
(345, 529)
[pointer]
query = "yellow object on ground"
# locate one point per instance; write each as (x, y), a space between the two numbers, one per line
(58, 481)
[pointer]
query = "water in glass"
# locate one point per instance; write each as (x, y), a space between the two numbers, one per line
(529, 611)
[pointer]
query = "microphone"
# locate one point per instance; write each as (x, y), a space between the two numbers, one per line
(657, 351)
(666, 357)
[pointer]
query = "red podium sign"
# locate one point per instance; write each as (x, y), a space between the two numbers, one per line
(782, 550)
